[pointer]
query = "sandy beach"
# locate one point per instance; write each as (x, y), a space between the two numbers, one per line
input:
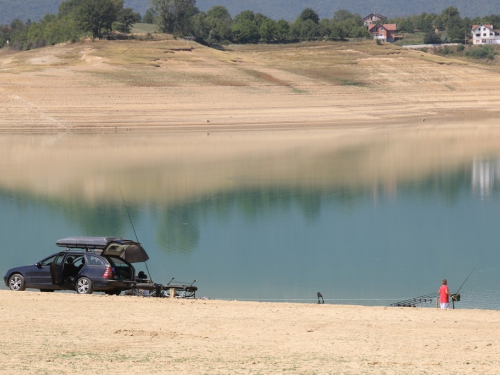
(178, 86)
(47, 333)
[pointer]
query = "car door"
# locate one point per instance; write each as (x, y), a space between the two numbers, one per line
(41, 275)
(56, 272)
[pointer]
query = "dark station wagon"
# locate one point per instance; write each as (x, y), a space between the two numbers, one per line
(101, 264)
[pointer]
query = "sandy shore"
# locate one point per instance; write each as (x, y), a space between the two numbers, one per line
(72, 334)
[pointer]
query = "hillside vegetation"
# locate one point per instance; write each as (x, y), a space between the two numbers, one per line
(286, 9)
(78, 19)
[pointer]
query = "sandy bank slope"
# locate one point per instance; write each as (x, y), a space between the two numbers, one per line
(180, 85)
(67, 334)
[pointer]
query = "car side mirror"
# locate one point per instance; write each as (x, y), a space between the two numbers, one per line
(39, 265)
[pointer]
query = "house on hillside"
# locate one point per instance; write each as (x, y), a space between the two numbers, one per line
(384, 32)
(484, 34)
(373, 18)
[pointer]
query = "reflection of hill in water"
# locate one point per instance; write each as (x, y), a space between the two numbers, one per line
(177, 225)
(187, 177)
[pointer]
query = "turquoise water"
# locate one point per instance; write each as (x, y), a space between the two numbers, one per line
(367, 218)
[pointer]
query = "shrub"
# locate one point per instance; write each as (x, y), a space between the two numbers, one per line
(432, 38)
(444, 51)
(460, 48)
(481, 52)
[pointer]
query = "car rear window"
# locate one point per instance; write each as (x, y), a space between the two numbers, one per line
(118, 262)
(95, 261)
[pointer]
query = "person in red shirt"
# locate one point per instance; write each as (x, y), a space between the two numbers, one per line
(444, 295)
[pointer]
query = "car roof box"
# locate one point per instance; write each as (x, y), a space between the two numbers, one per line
(88, 242)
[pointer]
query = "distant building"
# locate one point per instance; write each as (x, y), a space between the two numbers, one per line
(373, 18)
(484, 34)
(384, 32)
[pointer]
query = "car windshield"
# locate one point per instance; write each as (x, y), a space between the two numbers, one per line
(56, 259)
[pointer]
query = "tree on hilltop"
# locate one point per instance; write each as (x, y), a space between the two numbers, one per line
(309, 14)
(174, 15)
(97, 15)
(126, 18)
(218, 23)
(245, 28)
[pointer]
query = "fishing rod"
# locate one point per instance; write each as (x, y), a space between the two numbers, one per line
(133, 228)
(466, 279)
(412, 302)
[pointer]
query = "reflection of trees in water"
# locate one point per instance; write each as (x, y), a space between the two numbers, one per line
(447, 184)
(178, 229)
(178, 226)
(100, 219)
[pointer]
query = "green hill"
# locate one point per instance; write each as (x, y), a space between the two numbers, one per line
(287, 9)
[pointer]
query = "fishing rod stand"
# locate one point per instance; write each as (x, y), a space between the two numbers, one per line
(454, 297)
(158, 290)
(422, 300)
(177, 290)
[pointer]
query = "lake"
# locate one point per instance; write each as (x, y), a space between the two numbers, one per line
(364, 216)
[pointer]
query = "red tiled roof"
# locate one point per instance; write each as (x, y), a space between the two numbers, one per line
(390, 26)
(474, 27)
(387, 26)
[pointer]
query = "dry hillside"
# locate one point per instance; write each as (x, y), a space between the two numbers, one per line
(177, 84)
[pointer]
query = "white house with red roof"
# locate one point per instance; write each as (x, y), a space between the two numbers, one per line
(484, 34)
(385, 32)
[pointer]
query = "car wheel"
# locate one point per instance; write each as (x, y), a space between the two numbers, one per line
(16, 282)
(84, 286)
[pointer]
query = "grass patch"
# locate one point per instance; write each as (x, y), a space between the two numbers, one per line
(143, 28)
(350, 82)
(410, 39)
(266, 77)
(481, 52)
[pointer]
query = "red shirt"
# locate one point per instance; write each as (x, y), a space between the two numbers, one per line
(443, 294)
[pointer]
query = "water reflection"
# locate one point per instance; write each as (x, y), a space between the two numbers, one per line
(243, 210)
(485, 175)
(178, 229)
